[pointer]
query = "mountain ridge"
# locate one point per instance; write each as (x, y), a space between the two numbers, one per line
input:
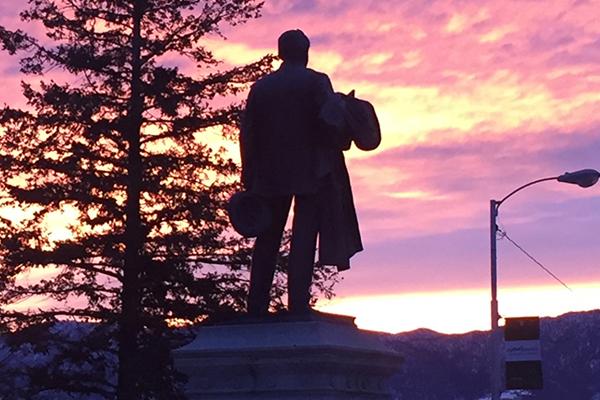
(456, 367)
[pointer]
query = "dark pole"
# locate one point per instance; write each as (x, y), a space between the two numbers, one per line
(584, 178)
(496, 367)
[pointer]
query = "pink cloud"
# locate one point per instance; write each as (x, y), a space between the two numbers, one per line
(475, 98)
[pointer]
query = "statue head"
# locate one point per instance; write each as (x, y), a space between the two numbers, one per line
(293, 47)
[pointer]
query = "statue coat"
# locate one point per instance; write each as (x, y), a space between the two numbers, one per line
(285, 153)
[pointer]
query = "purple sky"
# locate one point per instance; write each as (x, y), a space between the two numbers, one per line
(475, 98)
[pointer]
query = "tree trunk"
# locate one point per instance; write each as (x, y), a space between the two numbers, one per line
(130, 323)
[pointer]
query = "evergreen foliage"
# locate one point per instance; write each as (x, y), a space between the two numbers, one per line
(121, 144)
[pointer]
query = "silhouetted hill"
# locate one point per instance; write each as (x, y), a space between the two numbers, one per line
(437, 366)
(456, 367)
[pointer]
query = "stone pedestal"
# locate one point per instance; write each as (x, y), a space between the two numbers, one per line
(317, 358)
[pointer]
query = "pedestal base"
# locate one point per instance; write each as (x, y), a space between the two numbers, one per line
(318, 359)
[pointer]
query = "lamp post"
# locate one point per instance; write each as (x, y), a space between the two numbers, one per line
(584, 178)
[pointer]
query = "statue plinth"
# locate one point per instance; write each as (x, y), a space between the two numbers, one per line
(320, 357)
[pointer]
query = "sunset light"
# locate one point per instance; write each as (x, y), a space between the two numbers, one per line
(460, 311)
(474, 99)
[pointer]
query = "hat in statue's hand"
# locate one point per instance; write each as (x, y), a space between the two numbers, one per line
(249, 214)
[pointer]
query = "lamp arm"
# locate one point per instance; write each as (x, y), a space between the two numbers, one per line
(498, 203)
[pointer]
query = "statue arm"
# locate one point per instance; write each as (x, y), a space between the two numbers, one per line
(333, 133)
(247, 139)
(324, 90)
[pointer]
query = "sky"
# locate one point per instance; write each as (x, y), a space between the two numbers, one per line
(475, 98)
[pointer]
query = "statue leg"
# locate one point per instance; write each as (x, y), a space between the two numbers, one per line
(302, 252)
(264, 257)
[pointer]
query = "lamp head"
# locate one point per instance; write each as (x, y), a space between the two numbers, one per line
(584, 178)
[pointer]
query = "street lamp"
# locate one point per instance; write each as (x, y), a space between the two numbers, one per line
(584, 178)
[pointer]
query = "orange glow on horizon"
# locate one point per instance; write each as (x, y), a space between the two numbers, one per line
(460, 311)
(474, 99)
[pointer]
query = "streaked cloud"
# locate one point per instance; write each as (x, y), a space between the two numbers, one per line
(474, 98)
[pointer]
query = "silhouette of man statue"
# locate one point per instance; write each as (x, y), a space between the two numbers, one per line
(285, 156)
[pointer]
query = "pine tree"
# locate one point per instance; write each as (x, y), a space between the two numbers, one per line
(123, 141)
